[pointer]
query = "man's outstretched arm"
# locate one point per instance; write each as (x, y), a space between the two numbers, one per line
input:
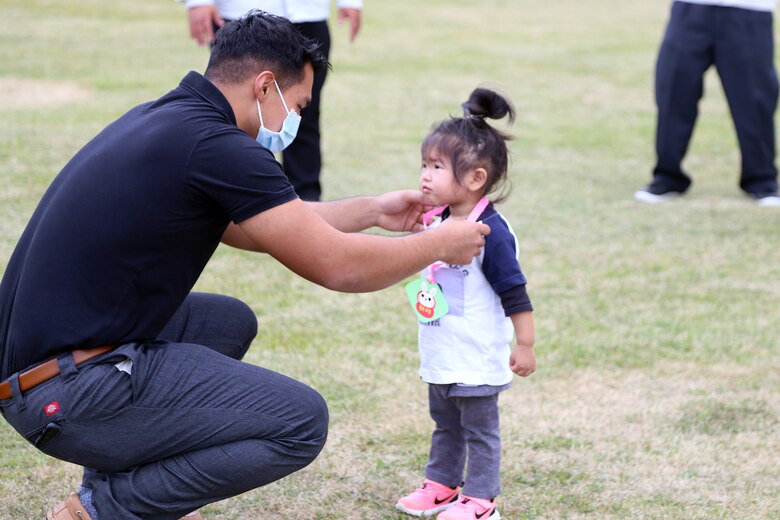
(393, 211)
(302, 239)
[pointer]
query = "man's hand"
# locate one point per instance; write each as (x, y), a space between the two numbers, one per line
(202, 19)
(400, 210)
(353, 15)
(462, 240)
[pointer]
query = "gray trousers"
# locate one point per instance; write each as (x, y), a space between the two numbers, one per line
(190, 425)
(467, 430)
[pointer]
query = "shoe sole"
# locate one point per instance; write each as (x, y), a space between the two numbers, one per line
(495, 516)
(769, 202)
(427, 512)
(652, 198)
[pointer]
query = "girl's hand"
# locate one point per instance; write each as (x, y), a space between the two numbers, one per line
(522, 361)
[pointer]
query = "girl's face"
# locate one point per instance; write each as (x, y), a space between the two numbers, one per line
(438, 182)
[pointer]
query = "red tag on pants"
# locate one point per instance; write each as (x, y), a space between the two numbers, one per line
(51, 408)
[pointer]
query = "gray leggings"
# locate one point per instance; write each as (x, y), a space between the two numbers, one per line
(467, 429)
(190, 425)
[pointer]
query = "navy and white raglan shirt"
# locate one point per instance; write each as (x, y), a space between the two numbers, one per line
(470, 344)
(125, 230)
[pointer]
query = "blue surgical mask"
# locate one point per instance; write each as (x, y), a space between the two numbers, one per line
(278, 141)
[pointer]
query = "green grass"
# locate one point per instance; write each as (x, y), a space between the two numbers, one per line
(657, 394)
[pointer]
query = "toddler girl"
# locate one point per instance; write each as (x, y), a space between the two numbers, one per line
(464, 355)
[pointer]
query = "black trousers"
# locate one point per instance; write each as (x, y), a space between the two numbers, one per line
(302, 160)
(740, 43)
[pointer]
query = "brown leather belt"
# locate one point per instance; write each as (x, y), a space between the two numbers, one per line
(49, 369)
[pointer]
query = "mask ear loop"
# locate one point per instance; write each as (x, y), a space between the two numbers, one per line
(281, 96)
(259, 114)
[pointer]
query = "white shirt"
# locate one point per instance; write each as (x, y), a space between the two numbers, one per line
(754, 5)
(470, 344)
(296, 11)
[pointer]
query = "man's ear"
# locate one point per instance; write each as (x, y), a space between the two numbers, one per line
(477, 179)
(263, 82)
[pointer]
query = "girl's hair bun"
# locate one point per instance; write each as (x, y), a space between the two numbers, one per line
(485, 103)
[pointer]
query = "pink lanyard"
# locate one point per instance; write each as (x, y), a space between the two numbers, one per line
(428, 217)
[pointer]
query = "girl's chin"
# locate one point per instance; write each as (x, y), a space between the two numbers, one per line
(430, 198)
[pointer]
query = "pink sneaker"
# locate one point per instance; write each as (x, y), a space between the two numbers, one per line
(429, 499)
(470, 508)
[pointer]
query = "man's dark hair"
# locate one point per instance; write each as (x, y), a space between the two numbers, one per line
(261, 41)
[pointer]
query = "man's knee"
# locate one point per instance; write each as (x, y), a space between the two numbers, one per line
(246, 317)
(314, 430)
(240, 324)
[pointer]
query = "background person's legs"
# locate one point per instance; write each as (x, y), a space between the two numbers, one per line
(685, 54)
(744, 56)
(302, 160)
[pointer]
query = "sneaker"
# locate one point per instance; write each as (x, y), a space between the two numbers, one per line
(428, 499)
(648, 197)
(768, 200)
(70, 509)
(470, 508)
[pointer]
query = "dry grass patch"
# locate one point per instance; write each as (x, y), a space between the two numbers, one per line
(615, 445)
(594, 445)
(22, 93)
(683, 441)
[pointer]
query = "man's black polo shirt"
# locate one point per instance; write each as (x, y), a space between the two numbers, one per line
(124, 231)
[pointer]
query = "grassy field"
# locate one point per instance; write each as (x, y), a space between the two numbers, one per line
(658, 389)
